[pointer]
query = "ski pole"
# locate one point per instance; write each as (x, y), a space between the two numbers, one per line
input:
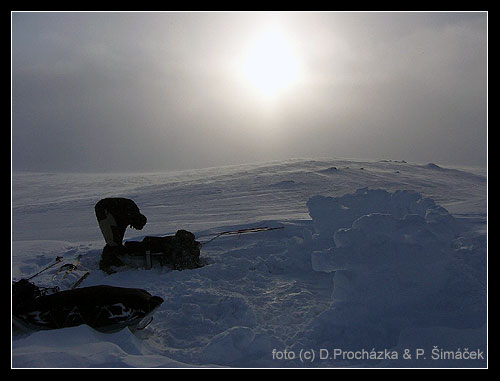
(58, 259)
(240, 231)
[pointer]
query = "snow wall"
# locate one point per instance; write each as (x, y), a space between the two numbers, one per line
(399, 262)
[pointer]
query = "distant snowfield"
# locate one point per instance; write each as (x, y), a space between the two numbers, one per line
(375, 259)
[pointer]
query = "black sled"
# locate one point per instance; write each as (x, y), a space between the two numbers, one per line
(104, 308)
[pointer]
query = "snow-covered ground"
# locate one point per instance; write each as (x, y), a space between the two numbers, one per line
(376, 261)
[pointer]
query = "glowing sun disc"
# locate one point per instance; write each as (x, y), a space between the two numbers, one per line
(270, 65)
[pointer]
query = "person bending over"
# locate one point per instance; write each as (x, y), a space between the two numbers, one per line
(114, 215)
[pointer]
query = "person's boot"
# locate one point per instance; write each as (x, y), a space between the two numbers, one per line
(110, 260)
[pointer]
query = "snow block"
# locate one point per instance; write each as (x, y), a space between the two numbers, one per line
(332, 213)
(394, 260)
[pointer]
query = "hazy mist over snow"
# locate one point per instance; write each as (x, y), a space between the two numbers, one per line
(105, 92)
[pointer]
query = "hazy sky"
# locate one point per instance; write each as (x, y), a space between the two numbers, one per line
(107, 92)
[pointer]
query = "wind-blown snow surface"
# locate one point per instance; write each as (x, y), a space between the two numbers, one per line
(375, 259)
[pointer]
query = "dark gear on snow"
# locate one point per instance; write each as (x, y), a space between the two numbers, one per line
(104, 308)
(178, 252)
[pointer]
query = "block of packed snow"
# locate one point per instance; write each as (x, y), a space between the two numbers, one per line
(332, 213)
(394, 262)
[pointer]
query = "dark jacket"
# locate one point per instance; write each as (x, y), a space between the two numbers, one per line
(124, 211)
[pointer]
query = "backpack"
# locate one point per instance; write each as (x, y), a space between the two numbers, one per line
(178, 252)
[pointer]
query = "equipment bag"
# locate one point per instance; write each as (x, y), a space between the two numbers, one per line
(178, 252)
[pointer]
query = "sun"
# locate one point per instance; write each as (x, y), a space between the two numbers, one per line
(270, 65)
